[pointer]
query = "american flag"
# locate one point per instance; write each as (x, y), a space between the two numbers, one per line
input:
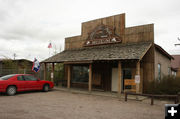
(50, 45)
(36, 65)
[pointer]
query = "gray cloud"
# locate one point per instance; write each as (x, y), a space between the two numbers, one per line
(27, 26)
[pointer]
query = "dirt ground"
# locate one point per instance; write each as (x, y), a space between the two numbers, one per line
(66, 105)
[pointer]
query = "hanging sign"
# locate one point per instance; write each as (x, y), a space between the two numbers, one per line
(102, 34)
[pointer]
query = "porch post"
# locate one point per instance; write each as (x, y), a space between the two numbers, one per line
(69, 76)
(45, 66)
(119, 78)
(138, 73)
(52, 73)
(90, 77)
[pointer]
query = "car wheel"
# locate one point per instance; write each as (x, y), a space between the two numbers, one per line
(11, 90)
(46, 88)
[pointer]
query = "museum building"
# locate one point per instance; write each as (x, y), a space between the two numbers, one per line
(109, 56)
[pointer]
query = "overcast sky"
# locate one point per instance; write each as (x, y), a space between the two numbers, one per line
(27, 26)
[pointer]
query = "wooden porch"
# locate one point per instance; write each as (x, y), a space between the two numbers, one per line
(100, 75)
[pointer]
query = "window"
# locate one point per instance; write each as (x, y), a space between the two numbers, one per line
(169, 71)
(80, 74)
(7, 77)
(159, 71)
(20, 78)
(127, 74)
(174, 73)
(30, 78)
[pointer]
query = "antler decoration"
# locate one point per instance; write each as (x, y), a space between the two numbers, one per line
(178, 38)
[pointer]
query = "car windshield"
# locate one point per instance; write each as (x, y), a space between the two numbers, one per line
(6, 77)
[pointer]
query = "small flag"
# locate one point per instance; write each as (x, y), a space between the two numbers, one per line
(36, 65)
(50, 45)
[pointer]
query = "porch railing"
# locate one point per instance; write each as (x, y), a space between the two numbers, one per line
(176, 98)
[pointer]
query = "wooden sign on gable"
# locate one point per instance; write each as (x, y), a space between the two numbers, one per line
(102, 35)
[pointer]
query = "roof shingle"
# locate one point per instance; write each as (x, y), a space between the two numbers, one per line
(102, 52)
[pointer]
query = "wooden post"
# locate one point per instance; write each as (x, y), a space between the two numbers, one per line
(52, 73)
(90, 77)
(69, 76)
(178, 97)
(138, 73)
(45, 66)
(119, 78)
(126, 96)
(152, 100)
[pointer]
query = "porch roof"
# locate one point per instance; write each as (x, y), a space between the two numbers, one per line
(102, 52)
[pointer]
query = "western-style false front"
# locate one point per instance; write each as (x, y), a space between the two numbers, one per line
(111, 57)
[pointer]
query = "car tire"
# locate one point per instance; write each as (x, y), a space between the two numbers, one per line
(11, 90)
(46, 88)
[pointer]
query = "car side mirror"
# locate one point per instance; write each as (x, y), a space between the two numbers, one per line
(38, 79)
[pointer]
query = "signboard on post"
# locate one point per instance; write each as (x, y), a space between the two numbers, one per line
(137, 79)
(52, 75)
(131, 84)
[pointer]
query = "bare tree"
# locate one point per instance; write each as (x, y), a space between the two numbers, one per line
(55, 49)
(60, 48)
(14, 55)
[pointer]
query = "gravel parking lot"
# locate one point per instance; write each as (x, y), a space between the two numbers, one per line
(66, 105)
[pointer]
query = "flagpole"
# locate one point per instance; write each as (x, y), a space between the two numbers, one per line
(49, 52)
(49, 46)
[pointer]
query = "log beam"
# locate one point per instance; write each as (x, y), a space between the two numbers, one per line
(52, 73)
(119, 77)
(45, 66)
(90, 77)
(69, 76)
(138, 73)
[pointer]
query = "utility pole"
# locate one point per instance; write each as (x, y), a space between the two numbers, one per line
(14, 55)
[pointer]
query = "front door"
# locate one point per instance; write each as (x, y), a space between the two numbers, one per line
(127, 75)
(114, 83)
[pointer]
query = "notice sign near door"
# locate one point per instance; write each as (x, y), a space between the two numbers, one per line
(52, 75)
(137, 78)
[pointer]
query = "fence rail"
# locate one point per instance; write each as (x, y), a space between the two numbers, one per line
(174, 97)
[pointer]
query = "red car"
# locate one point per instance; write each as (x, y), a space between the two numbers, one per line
(13, 83)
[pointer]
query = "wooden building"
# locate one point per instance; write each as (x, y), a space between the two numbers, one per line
(175, 66)
(112, 57)
(9, 66)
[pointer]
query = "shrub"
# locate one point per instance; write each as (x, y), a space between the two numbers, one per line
(167, 85)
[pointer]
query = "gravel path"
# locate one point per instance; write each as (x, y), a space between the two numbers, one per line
(65, 105)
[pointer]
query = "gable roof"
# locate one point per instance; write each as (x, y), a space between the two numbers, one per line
(175, 64)
(161, 50)
(102, 52)
(16, 60)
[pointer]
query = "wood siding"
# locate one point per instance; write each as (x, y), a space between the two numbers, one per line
(116, 22)
(165, 64)
(148, 67)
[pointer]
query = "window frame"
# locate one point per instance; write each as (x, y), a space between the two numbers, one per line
(86, 80)
(22, 78)
(169, 71)
(159, 71)
(29, 76)
(6, 77)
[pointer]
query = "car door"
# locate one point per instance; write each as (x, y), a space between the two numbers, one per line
(21, 83)
(33, 83)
